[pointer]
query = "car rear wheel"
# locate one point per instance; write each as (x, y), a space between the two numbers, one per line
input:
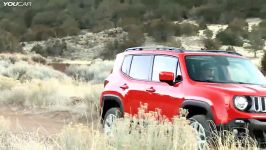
(111, 115)
(203, 130)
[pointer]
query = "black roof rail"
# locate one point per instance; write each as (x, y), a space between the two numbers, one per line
(180, 50)
(155, 48)
(222, 51)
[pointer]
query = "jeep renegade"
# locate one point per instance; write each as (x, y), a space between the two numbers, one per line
(218, 86)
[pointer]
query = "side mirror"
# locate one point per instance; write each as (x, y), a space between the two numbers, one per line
(167, 77)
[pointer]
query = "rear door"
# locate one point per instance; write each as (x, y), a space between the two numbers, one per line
(136, 82)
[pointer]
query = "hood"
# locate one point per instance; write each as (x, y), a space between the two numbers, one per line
(237, 89)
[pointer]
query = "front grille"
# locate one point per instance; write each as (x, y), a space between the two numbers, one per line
(258, 104)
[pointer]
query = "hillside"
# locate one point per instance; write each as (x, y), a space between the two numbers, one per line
(88, 45)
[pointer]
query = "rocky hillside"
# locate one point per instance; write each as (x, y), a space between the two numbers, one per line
(87, 45)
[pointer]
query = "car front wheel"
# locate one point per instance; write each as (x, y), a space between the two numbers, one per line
(203, 130)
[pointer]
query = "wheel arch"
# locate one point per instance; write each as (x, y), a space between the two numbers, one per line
(110, 101)
(197, 107)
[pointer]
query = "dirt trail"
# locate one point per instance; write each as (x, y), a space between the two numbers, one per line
(26, 120)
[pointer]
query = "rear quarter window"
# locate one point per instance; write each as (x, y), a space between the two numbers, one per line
(126, 64)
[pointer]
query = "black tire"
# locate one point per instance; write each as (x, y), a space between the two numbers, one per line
(207, 125)
(205, 122)
(112, 111)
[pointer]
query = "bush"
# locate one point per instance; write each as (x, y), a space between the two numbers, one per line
(255, 40)
(39, 33)
(52, 47)
(208, 33)
(8, 42)
(47, 18)
(230, 49)
(38, 59)
(202, 25)
(24, 71)
(95, 72)
(160, 30)
(39, 50)
(186, 29)
(173, 42)
(228, 37)
(211, 44)
(135, 38)
(239, 27)
(263, 64)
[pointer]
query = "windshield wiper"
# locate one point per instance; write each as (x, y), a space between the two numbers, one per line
(212, 81)
(204, 80)
(246, 83)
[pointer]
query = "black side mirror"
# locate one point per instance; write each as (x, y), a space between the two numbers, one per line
(178, 78)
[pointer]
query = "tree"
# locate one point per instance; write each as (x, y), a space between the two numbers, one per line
(208, 33)
(255, 40)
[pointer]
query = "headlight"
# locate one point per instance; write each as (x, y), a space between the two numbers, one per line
(241, 103)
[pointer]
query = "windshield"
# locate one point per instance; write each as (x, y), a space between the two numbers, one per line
(223, 69)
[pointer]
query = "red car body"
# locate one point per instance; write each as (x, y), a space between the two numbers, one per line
(215, 100)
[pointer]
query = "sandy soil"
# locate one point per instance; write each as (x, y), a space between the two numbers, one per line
(45, 123)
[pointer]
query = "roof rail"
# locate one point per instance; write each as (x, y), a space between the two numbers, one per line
(154, 48)
(222, 51)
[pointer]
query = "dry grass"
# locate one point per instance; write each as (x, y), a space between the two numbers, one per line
(96, 72)
(147, 131)
(54, 95)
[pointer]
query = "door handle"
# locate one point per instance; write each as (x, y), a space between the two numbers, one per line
(124, 86)
(151, 89)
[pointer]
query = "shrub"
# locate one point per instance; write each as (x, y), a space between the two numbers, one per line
(95, 72)
(46, 18)
(239, 27)
(209, 13)
(38, 59)
(186, 29)
(255, 40)
(39, 50)
(208, 33)
(263, 64)
(228, 37)
(173, 42)
(160, 30)
(52, 47)
(135, 38)
(202, 25)
(211, 44)
(39, 33)
(9, 43)
(24, 71)
(238, 24)
(230, 49)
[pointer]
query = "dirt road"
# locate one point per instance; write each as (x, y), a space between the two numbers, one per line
(46, 123)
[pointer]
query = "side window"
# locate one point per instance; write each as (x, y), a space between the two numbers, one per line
(164, 63)
(126, 64)
(140, 67)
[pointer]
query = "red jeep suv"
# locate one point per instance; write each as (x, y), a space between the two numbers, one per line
(218, 86)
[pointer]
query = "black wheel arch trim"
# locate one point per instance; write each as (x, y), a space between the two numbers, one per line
(198, 103)
(111, 97)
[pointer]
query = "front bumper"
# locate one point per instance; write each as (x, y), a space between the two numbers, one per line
(253, 127)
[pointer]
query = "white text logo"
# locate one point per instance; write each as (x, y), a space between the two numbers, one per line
(17, 4)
